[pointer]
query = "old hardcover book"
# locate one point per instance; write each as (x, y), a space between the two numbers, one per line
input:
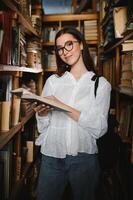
(6, 26)
(120, 13)
(25, 94)
(127, 46)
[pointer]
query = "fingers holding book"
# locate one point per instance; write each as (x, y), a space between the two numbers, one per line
(42, 109)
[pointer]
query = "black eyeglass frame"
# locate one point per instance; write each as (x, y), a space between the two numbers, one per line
(57, 49)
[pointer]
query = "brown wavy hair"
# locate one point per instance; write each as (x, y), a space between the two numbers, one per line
(62, 67)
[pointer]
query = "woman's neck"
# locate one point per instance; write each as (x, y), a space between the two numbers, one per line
(78, 70)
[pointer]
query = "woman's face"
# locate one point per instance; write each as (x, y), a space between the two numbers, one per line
(69, 49)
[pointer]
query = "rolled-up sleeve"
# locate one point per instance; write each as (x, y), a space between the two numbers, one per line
(42, 123)
(94, 118)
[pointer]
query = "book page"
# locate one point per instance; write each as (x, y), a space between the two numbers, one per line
(25, 94)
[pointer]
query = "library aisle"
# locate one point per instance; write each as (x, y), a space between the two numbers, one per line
(27, 59)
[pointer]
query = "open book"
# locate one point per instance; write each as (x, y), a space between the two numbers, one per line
(31, 97)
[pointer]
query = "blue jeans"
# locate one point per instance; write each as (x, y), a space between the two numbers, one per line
(81, 172)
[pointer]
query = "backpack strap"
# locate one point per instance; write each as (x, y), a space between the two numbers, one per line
(96, 79)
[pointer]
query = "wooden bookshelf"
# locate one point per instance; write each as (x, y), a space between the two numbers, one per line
(118, 43)
(123, 94)
(69, 17)
(18, 75)
(12, 68)
(22, 19)
(5, 137)
(59, 21)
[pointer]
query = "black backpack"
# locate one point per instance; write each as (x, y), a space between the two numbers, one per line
(109, 143)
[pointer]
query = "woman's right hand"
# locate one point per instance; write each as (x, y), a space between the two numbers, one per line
(42, 109)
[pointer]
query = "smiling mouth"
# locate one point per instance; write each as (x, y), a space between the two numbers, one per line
(68, 57)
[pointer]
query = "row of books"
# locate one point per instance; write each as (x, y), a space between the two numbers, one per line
(109, 70)
(90, 30)
(127, 45)
(48, 33)
(12, 165)
(127, 70)
(12, 109)
(49, 59)
(112, 27)
(13, 44)
(37, 23)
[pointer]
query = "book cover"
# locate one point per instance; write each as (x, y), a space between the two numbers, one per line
(25, 94)
(6, 26)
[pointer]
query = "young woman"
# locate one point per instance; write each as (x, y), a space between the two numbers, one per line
(68, 139)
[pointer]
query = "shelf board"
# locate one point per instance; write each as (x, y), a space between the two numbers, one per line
(69, 17)
(48, 44)
(22, 19)
(93, 42)
(51, 69)
(118, 43)
(11, 68)
(5, 137)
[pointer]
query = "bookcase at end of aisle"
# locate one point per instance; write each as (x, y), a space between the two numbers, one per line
(86, 23)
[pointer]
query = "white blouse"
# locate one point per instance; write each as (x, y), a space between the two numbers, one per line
(59, 134)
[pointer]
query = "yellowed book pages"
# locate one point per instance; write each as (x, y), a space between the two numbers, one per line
(5, 115)
(127, 46)
(15, 111)
(29, 145)
(126, 83)
(25, 94)
(128, 57)
(120, 20)
(127, 74)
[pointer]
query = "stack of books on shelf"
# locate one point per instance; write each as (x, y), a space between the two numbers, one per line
(15, 50)
(90, 30)
(127, 70)
(108, 70)
(5, 37)
(37, 23)
(51, 60)
(49, 33)
(127, 45)
(108, 27)
(25, 9)
(33, 54)
(23, 54)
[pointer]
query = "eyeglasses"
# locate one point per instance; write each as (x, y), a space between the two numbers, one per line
(68, 47)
